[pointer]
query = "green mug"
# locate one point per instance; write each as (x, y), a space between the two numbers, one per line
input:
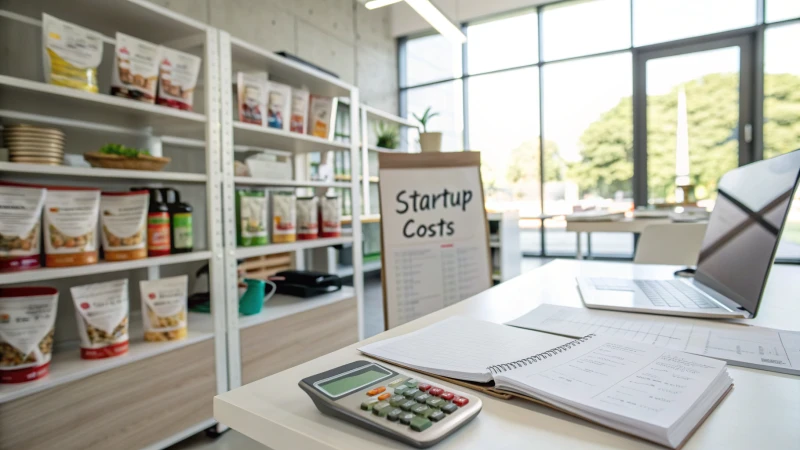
(255, 296)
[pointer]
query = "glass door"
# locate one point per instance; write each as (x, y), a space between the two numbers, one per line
(694, 103)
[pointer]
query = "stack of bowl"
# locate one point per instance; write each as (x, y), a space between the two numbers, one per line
(34, 145)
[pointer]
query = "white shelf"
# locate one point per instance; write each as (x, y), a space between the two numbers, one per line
(370, 266)
(273, 138)
(67, 365)
(280, 306)
(28, 96)
(382, 115)
(52, 273)
(271, 249)
(94, 172)
(375, 148)
(251, 181)
(246, 56)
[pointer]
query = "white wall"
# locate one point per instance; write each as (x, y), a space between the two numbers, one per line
(339, 35)
(406, 21)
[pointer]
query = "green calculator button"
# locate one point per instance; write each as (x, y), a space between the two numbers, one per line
(368, 404)
(422, 397)
(412, 382)
(400, 389)
(396, 382)
(420, 423)
(405, 417)
(450, 408)
(411, 393)
(408, 405)
(435, 402)
(397, 400)
(420, 409)
(436, 416)
(394, 414)
(381, 409)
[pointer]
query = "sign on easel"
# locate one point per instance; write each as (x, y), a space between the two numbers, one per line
(434, 234)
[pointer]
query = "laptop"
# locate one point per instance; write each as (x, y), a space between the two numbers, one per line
(736, 255)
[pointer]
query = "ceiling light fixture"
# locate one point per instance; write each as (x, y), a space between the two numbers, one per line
(443, 25)
(374, 4)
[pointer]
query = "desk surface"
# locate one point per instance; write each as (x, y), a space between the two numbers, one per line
(761, 410)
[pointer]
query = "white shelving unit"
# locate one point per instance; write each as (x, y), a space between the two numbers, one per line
(90, 119)
(504, 245)
(237, 55)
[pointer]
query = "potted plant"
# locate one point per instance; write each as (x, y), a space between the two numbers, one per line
(388, 136)
(429, 141)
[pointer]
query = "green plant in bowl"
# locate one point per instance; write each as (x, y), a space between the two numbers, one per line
(388, 136)
(121, 150)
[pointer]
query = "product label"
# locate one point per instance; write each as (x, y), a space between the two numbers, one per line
(330, 210)
(26, 330)
(20, 208)
(70, 221)
(102, 313)
(73, 54)
(182, 230)
(178, 77)
(135, 68)
(123, 221)
(158, 231)
(307, 225)
(164, 308)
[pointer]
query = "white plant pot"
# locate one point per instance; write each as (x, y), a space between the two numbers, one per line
(430, 142)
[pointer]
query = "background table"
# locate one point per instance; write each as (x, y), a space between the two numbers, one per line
(762, 411)
(635, 226)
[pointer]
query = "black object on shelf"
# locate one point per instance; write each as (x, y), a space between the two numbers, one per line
(180, 221)
(302, 283)
(303, 61)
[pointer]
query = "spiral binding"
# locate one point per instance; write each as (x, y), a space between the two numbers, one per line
(538, 357)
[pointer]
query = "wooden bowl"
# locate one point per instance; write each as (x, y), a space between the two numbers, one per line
(143, 162)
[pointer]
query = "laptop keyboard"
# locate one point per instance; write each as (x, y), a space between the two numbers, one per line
(673, 293)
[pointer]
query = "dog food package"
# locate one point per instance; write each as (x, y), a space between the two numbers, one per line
(330, 216)
(70, 224)
(102, 313)
(123, 225)
(164, 308)
(279, 105)
(307, 221)
(299, 111)
(251, 218)
(284, 217)
(71, 54)
(177, 78)
(135, 69)
(252, 94)
(321, 112)
(20, 227)
(27, 325)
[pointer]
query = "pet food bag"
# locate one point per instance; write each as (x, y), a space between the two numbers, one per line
(135, 69)
(27, 325)
(284, 217)
(70, 225)
(177, 79)
(299, 111)
(252, 94)
(279, 105)
(307, 220)
(330, 217)
(164, 308)
(20, 227)
(251, 215)
(102, 313)
(123, 225)
(321, 112)
(71, 54)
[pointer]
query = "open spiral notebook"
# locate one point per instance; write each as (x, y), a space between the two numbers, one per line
(656, 394)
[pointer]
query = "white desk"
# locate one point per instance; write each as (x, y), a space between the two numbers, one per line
(762, 411)
(610, 226)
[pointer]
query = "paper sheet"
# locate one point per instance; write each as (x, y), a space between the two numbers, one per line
(748, 346)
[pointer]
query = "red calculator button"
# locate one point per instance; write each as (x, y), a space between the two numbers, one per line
(447, 396)
(436, 391)
(460, 401)
(376, 391)
(423, 387)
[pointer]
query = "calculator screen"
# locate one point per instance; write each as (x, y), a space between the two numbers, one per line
(352, 381)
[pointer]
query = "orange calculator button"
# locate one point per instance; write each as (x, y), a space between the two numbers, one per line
(384, 396)
(376, 391)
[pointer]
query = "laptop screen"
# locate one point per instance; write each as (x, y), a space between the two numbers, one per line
(745, 226)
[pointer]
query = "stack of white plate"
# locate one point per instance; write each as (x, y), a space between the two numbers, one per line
(34, 145)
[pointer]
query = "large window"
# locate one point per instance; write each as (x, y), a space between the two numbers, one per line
(548, 96)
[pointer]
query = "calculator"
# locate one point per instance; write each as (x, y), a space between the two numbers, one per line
(403, 407)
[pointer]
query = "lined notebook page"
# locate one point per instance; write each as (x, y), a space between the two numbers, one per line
(462, 348)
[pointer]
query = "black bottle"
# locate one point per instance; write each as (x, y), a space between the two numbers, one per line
(180, 215)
